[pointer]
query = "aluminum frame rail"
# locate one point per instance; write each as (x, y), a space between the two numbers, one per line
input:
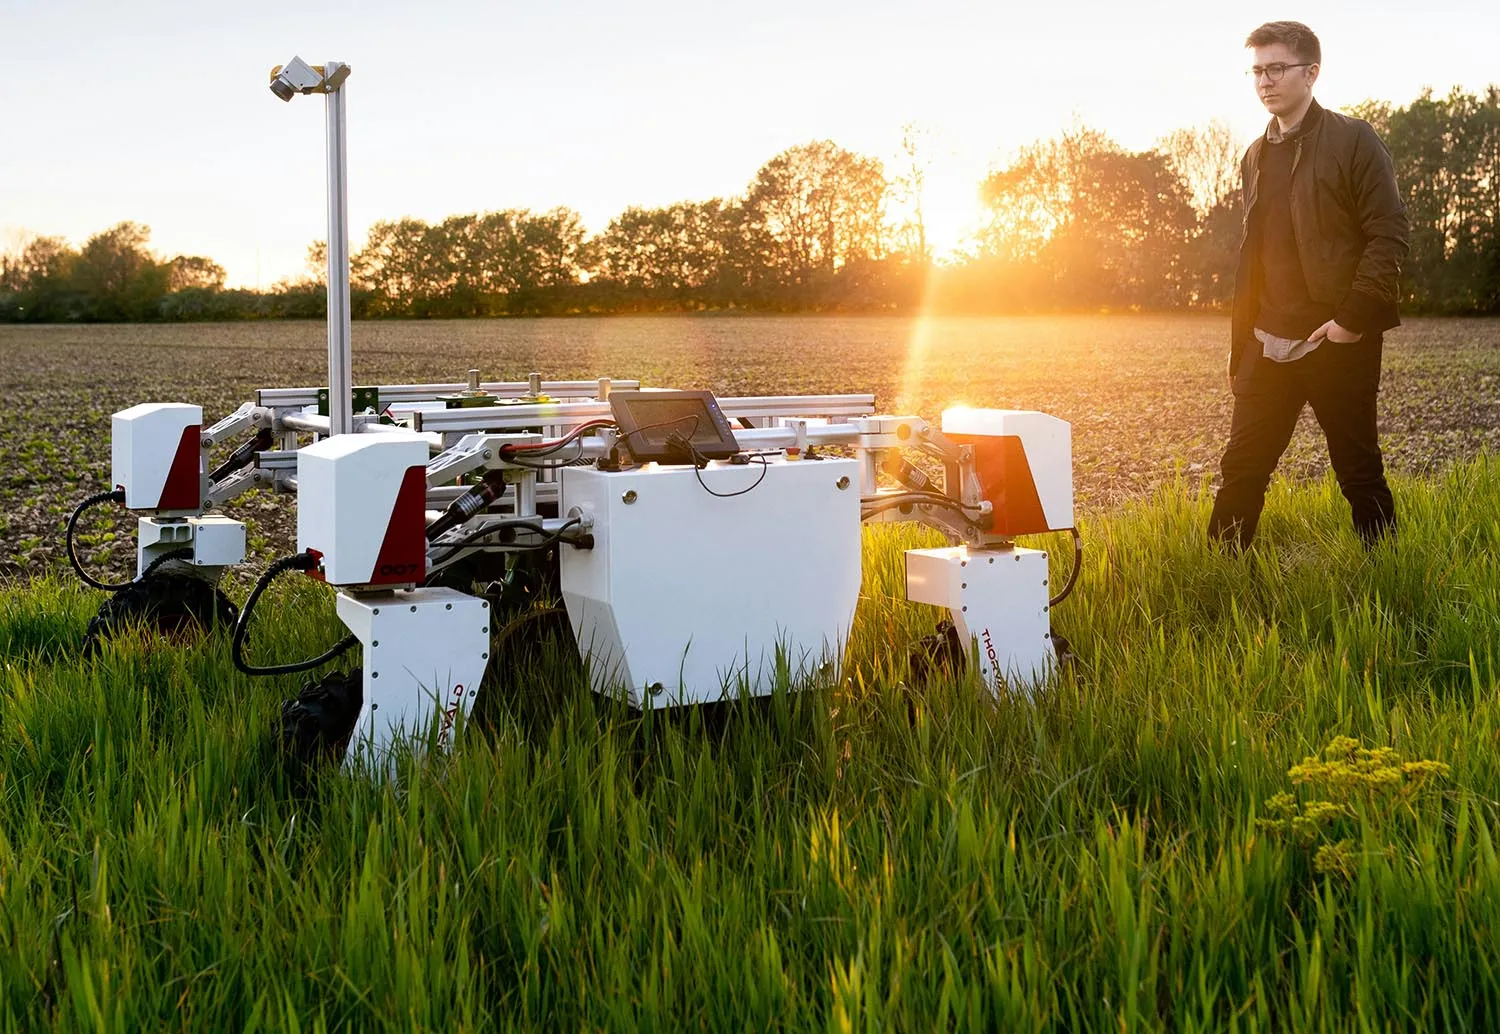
(288, 398)
(566, 414)
(340, 409)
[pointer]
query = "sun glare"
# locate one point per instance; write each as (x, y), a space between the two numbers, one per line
(950, 210)
(952, 217)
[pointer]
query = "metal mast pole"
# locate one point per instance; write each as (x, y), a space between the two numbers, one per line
(340, 375)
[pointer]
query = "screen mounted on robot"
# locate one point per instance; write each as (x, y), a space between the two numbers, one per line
(672, 426)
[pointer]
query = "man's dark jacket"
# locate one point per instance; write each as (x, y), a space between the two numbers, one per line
(1349, 222)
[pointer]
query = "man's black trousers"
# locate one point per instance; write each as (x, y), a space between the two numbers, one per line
(1340, 381)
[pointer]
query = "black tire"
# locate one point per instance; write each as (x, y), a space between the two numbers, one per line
(317, 724)
(941, 654)
(169, 604)
(1066, 658)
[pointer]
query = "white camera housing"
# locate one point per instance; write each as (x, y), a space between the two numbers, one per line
(294, 77)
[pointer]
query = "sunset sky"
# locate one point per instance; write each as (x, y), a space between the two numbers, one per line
(159, 112)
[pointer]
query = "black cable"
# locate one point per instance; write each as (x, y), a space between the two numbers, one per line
(509, 452)
(171, 554)
(513, 525)
(508, 547)
(490, 529)
(1073, 574)
(895, 502)
(115, 496)
(917, 495)
(464, 543)
(577, 432)
(297, 561)
(516, 458)
(699, 462)
(625, 437)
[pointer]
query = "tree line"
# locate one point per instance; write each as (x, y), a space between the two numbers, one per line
(1075, 223)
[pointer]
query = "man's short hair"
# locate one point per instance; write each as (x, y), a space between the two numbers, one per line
(1299, 39)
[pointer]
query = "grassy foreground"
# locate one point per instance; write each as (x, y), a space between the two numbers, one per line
(853, 857)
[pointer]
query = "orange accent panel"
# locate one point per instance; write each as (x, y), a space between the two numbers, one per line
(1005, 478)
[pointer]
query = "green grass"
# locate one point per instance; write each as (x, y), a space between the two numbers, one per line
(853, 857)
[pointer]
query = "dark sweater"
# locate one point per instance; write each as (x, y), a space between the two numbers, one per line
(1286, 308)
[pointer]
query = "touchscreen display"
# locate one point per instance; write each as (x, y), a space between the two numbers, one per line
(655, 424)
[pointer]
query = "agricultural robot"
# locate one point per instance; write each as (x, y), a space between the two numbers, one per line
(700, 546)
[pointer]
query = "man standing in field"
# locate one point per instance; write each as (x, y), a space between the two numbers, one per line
(1325, 233)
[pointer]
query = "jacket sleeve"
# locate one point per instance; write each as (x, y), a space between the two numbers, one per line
(1382, 217)
(1241, 334)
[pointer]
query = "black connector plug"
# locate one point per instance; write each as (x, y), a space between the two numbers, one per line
(613, 462)
(468, 504)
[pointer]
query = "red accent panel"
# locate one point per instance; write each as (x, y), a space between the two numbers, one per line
(316, 573)
(182, 490)
(1005, 477)
(403, 553)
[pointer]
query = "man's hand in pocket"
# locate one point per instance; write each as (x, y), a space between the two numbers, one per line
(1331, 331)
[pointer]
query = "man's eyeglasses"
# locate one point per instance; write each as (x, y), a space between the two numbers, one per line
(1273, 72)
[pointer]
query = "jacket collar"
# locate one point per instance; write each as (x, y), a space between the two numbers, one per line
(1274, 135)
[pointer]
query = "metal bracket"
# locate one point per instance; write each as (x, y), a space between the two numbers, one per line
(236, 484)
(473, 452)
(247, 416)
